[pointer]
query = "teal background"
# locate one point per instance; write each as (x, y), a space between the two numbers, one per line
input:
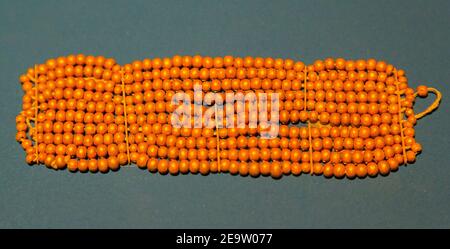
(413, 35)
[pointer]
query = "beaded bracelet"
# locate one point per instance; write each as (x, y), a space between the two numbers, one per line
(335, 117)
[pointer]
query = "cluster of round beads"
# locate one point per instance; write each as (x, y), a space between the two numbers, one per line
(87, 113)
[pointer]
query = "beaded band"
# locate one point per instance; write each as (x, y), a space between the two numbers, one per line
(351, 130)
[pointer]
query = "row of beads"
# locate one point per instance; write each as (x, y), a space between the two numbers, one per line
(276, 169)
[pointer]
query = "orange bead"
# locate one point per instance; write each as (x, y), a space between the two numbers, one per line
(276, 170)
(113, 163)
(184, 166)
(243, 169)
(328, 170)
(204, 168)
(286, 167)
(361, 170)
(163, 166)
(393, 164)
(92, 165)
(317, 168)
(72, 165)
(410, 156)
(384, 167)
(233, 167)
(416, 147)
(142, 161)
(350, 171)
(102, 165)
(296, 169)
(422, 91)
(254, 169)
(194, 166)
(306, 167)
(339, 170)
(372, 169)
(264, 168)
(173, 167)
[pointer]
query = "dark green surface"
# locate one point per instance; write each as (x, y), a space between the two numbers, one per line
(413, 35)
